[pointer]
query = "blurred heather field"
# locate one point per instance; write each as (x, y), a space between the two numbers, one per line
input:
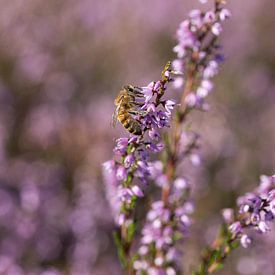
(61, 66)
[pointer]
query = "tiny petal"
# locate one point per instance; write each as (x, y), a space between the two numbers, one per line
(121, 173)
(191, 100)
(154, 134)
(109, 165)
(209, 17)
(129, 160)
(263, 227)
(235, 228)
(180, 184)
(224, 14)
(159, 261)
(171, 271)
(137, 191)
(245, 241)
(178, 82)
(228, 215)
(202, 92)
(195, 159)
(169, 105)
(121, 219)
(143, 250)
(216, 29)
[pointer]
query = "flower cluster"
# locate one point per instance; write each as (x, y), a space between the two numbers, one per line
(256, 210)
(127, 173)
(166, 225)
(197, 52)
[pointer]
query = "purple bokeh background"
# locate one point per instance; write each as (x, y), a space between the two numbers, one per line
(61, 65)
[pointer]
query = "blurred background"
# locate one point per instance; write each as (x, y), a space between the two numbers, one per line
(61, 65)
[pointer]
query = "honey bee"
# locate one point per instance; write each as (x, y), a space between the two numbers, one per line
(126, 107)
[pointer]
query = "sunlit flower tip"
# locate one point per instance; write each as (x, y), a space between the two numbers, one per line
(167, 74)
(121, 173)
(235, 228)
(191, 100)
(263, 227)
(180, 184)
(216, 29)
(228, 215)
(224, 14)
(203, 1)
(195, 159)
(137, 191)
(245, 208)
(245, 241)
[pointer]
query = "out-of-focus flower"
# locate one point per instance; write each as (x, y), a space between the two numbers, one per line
(256, 210)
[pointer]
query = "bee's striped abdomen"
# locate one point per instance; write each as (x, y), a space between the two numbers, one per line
(129, 123)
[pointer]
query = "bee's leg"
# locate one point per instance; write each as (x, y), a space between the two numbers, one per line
(135, 112)
(136, 103)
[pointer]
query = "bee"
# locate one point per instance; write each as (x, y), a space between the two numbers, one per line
(126, 107)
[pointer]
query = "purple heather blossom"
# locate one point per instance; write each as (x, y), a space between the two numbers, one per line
(256, 210)
(163, 225)
(191, 49)
(131, 154)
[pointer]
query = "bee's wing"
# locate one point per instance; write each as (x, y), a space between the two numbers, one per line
(114, 117)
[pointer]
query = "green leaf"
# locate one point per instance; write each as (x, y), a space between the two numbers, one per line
(120, 250)
(235, 244)
(131, 229)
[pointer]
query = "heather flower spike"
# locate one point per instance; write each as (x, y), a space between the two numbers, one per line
(146, 161)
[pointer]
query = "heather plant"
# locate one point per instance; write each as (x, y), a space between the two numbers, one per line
(146, 168)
